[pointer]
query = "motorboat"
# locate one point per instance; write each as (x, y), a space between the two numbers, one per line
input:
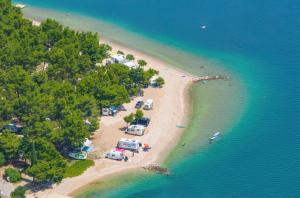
(214, 136)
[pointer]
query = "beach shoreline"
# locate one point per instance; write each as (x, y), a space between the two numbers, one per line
(172, 107)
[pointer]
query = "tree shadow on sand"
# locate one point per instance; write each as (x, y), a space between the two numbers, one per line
(37, 187)
(123, 128)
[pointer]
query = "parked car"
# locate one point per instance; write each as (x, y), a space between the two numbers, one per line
(110, 111)
(12, 128)
(140, 93)
(139, 104)
(115, 154)
(148, 105)
(135, 130)
(122, 108)
(143, 121)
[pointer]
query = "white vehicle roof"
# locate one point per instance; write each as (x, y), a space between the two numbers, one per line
(114, 151)
(128, 140)
(130, 64)
(149, 101)
(87, 142)
(153, 78)
(134, 126)
(119, 57)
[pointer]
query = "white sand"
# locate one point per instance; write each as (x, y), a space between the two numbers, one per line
(171, 106)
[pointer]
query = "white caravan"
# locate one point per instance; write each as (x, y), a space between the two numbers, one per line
(118, 58)
(135, 130)
(105, 111)
(128, 144)
(153, 79)
(148, 104)
(115, 155)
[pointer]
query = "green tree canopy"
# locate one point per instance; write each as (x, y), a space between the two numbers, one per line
(50, 165)
(9, 145)
(2, 159)
(12, 174)
(128, 119)
(50, 84)
(160, 81)
(142, 63)
(19, 192)
(120, 52)
(130, 57)
(138, 114)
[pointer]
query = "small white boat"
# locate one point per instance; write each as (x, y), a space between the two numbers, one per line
(203, 27)
(78, 155)
(214, 136)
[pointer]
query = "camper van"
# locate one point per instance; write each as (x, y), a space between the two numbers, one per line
(109, 111)
(135, 130)
(148, 105)
(115, 154)
(153, 82)
(106, 112)
(128, 144)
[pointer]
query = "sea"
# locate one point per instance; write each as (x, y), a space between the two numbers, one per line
(257, 110)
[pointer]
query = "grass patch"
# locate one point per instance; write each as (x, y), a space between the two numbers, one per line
(77, 167)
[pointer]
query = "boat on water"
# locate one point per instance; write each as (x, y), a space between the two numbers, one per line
(214, 136)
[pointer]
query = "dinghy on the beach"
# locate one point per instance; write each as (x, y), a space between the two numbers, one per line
(214, 136)
(78, 155)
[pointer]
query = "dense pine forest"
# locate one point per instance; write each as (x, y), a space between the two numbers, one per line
(51, 80)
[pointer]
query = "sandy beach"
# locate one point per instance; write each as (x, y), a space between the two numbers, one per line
(171, 108)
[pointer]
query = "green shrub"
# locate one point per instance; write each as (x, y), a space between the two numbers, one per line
(120, 52)
(130, 57)
(19, 192)
(12, 175)
(2, 159)
(78, 167)
(128, 119)
(160, 81)
(142, 63)
(139, 114)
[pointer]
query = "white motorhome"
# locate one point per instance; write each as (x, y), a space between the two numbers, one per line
(148, 104)
(153, 82)
(115, 155)
(128, 144)
(135, 130)
(118, 58)
(131, 64)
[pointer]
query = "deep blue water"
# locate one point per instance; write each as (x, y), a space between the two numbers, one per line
(261, 158)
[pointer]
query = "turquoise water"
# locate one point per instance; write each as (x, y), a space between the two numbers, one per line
(257, 43)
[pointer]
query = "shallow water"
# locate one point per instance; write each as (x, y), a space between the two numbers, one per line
(257, 43)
